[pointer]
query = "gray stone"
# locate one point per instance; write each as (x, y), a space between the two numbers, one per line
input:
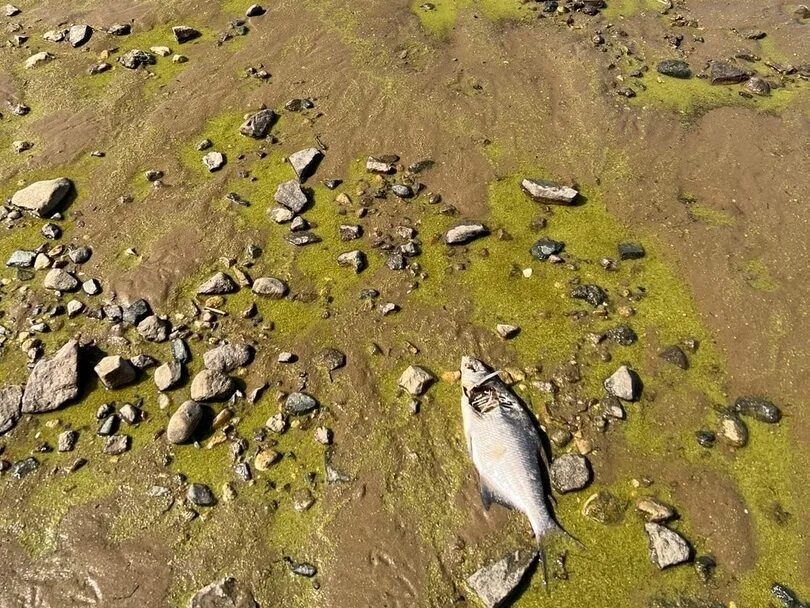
(299, 404)
(507, 332)
(667, 547)
(544, 248)
(549, 192)
(674, 68)
(290, 195)
(280, 214)
(54, 381)
(79, 34)
(168, 375)
(402, 190)
(675, 356)
(227, 357)
(218, 284)
(129, 413)
(136, 311)
(495, 583)
(258, 125)
(723, 72)
(214, 161)
(115, 372)
(184, 422)
(300, 239)
(270, 287)
(226, 592)
(210, 385)
(10, 407)
(569, 473)
(79, 255)
(23, 468)
(154, 329)
(374, 165)
(59, 279)
(624, 384)
(201, 495)
(66, 441)
(416, 380)
(180, 351)
(37, 59)
(350, 232)
(331, 359)
(116, 445)
(9, 10)
(136, 58)
(353, 259)
(184, 33)
(42, 198)
(304, 161)
(464, 233)
(91, 287)
(21, 259)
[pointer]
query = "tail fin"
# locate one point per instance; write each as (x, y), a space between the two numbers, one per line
(544, 530)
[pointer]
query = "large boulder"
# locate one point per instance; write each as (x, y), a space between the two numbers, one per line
(210, 385)
(42, 198)
(10, 407)
(54, 380)
(227, 357)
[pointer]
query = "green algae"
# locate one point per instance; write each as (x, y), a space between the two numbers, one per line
(757, 275)
(621, 9)
(441, 19)
(710, 216)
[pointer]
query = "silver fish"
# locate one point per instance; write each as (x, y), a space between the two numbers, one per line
(505, 447)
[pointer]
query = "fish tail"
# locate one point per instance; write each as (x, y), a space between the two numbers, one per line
(544, 530)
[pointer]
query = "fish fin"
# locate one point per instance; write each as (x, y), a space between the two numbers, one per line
(487, 495)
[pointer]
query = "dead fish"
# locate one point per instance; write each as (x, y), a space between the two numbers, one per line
(505, 447)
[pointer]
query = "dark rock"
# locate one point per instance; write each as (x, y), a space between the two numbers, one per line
(758, 408)
(549, 192)
(630, 251)
(184, 33)
(592, 294)
(706, 439)
(705, 566)
(299, 404)
(348, 232)
(604, 507)
(723, 72)
(758, 86)
(667, 547)
(119, 29)
(136, 311)
(54, 381)
(622, 335)
(299, 105)
(201, 495)
(23, 468)
(545, 248)
(786, 596)
(331, 359)
(258, 125)
(496, 582)
(51, 231)
(255, 10)
(675, 356)
(674, 68)
(80, 254)
(569, 473)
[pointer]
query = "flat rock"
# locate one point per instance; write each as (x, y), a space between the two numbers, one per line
(116, 445)
(723, 72)
(54, 380)
(184, 33)
(569, 473)
(544, 248)
(674, 68)
(549, 192)
(353, 259)
(495, 583)
(214, 161)
(290, 195)
(226, 592)
(299, 404)
(630, 251)
(280, 214)
(258, 125)
(37, 59)
(10, 406)
(667, 547)
(210, 385)
(653, 509)
(79, 34)
(269, 287)
(301, 239)
(304, 162)
(218, 284)
(624, 383)
(464, 233)
(184, 422)
(227, 357)
(416, 380)
(21, 259)
(115, 371)
(168, 375)
(43, 197)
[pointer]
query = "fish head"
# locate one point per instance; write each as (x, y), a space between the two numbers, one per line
(474, 372)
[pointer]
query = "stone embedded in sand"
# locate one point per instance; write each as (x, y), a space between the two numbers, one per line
(217, 285)
(299, 404)
(675, 356)
(494, 583)
(79, 34)
(10, 406)
(54, 380)
(592, 294)
(569, 473)
(154, 329)
(464, 233)
(254, 10)
(416, 380)
(184, 33)
(37, 59)
(654, 510)
(9, 10)
(723, 72)
(227, 357)
(184, 422)
(168, 375)
(201, 495)
(41, 198)
(548, 192)
(224, 593)
(624, 384)
(630, 251)
(674, 68)
(269, 287)
(119, 29)
(116, 445)
(304, 161)
(258, 125)
(136, 58)
(758, 408)
(115, 372)
(214, 161)
(291, 196)
(667, 547)
(374, 165)
(210, 385)
(506, 331)
(353, 259)
(59, 279)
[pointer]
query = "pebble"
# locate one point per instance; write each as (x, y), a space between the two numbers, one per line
(269, 287)
(299, 404)
(116, 445)
(733, 430)
(569, 473)
(549, 192)
(758, 408)
(416, 380)
(214, 161)
(667, 547)
(654, 510)
(184, 422)
(624, 384)
(115, 372)
(200, 495)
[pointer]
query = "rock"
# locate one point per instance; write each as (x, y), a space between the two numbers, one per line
(706, 439)
(302, 500)
(210, 385)
(10, 407)
(258, 125)
(74, 307)
(374, 165)
(254, 10)
(464, 233)
(201, 495)
(353, 259)
(733, 430)
(269, 287)
(79, 35)
(214, 161)
(276, 423)
(416, 380)
(37, 59)
(66, 441)
(119, 29)
(43, 197)
(154, 329)
(129, 413)
(758, 86)
(402, 190)
(507, 332)
(604, 507)
(168, 375)
(675, 68)
(116, 445)
(299, 404)
(302, 238)
(624, 384)
(330, 359)
(280, 214)
(54, 381)
(801, 12)
(266, 459)
(80, 254)
(545, 248)
(226, 592)
(184, 33)
(495, 583)
(569, 473)
(42, 261)
(675, 355)
(115, 372)
(9, 10)
(758, 408)
(350, 232)
(548, 192)
(136, 311)
(304, 162)
(59, 279)
(23, 468)
(592, 294)
(631, 251)
(654, 510)
(622, 335)
(21, 146)
(667, 547)
(21, 259)
(183, 59)
(184, 422)
(161, 51)
(91, 287)
(180, 351)
(135, 58)
(51, 231)
(219, 284)
(290, 195)
(723, 72)
(228, 357)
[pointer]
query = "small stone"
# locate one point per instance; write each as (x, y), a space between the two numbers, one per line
(496, 582)
(350, 232)
(402, 190)
(184, 422)
(177, 58)
(74, 307)
(116, 445)
(723, 72)
(154, 329)
(9, 10)
(374, 165)
(136, 58)
(569, 473)
(654, 510)
(224, 593)
(280, 214)
(507, 332)
(119, 29)
(674, 68)
(184, 33)
(43, 197)
(214, 161)
(135, 312)
(23, 468)
(630, 251)
(705, 566)
(115, 372)
(266, 459)
(91, 287)
(323, 435)
(706, 439)
(301, 239)
(218, 284)
(276, 423)
(269, 287)
(161, 51)
(624, 384)
(79, 34)
(258, 125)
(416, 380)
(168, 375)
(10, 407)
(675, 356)
(801, 12)
(51, 231)
(622, 335)
(210, 385)
(21, 259)
(353, 259)
(667, 547)
(66, 441)
(254, 10)
(299, 404)
(464, 233)
(228, 357)
(302, 500)
(290, 195)
(80, 254)
(592, 294)
(758, 86)
(143, 361)
(21, 146)
(549, 192)
(733, 430)
(304, 162)
(758, 408)
(129, 413)
(544, 248)
(37, 59)
(200, 495)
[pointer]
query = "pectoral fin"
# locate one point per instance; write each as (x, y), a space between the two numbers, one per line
(487, 495)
